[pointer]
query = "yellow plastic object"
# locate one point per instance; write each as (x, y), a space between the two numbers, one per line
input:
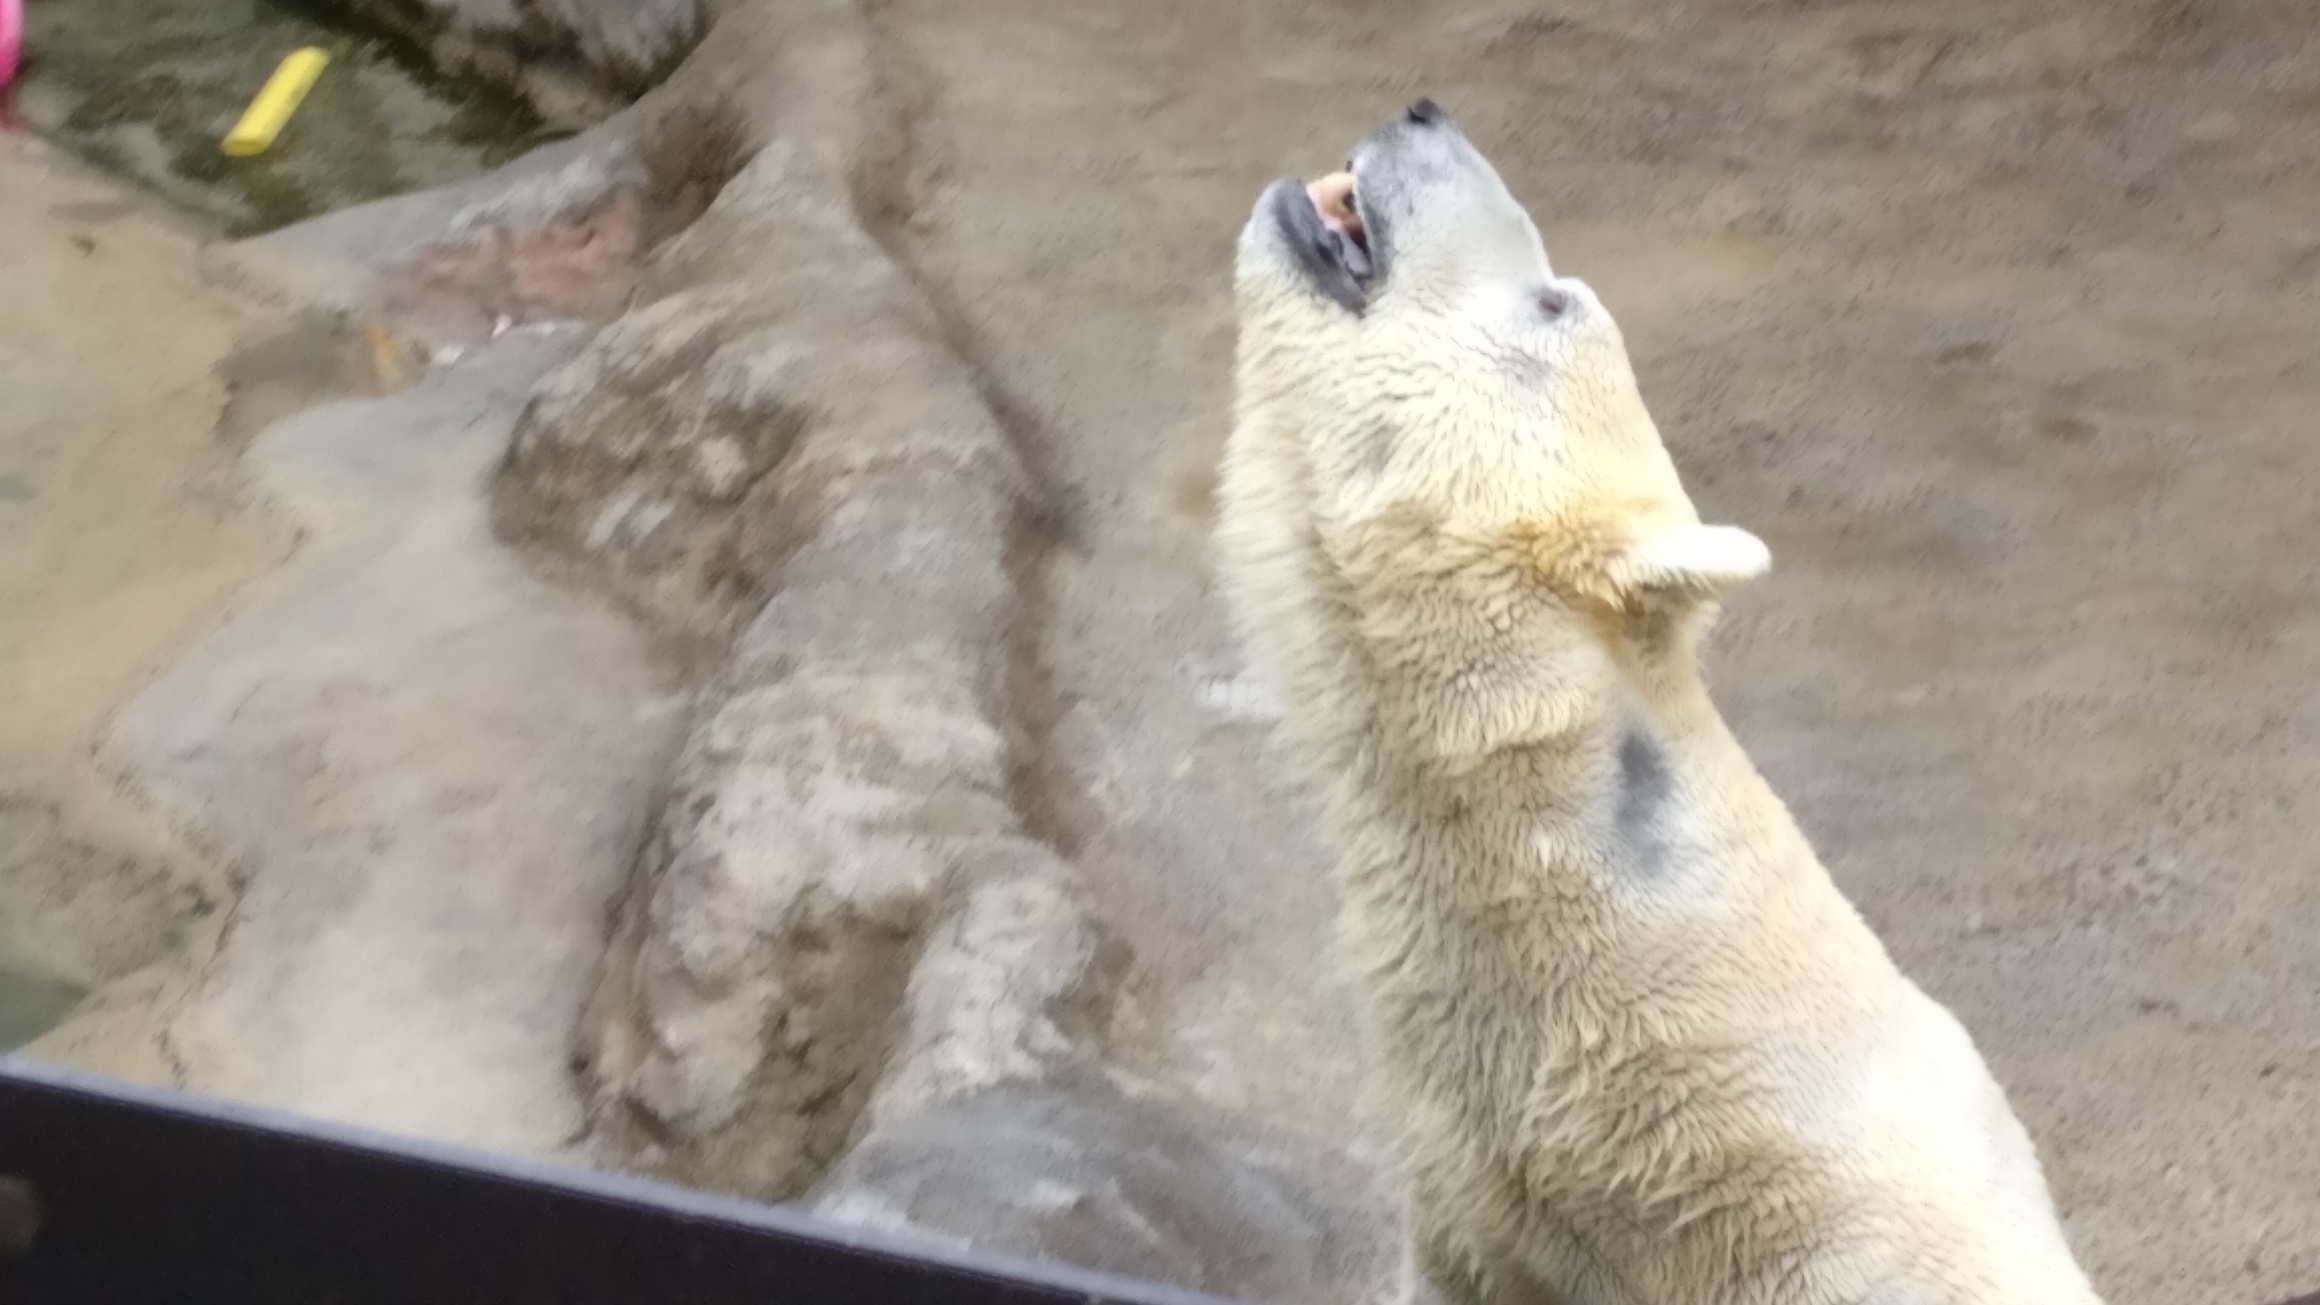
(263, 120)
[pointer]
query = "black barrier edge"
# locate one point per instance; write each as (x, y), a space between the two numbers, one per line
(150, 1195)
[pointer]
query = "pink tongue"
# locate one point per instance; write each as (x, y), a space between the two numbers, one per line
(1332, 198)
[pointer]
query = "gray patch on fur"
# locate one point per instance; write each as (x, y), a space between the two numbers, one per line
(1378, 441)
(1645, 784)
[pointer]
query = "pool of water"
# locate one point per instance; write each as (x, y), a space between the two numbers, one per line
(147, 88)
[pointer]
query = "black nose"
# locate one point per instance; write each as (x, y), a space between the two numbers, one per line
(1426, 113)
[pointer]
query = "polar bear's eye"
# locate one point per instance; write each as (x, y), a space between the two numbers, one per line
(1554, 302)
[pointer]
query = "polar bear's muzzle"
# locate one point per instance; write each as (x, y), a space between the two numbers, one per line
(1321, 225)
(1336, 227)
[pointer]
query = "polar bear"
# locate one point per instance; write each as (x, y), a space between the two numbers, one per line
(1647, 1054)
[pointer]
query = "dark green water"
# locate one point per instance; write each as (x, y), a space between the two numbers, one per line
(147, 89)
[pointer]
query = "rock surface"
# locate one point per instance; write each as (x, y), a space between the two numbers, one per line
(840, 910)
(431, 769)
(1083, 1176)
(570, 57)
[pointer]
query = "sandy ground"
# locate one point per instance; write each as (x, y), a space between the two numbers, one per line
(1996, 321)
(123, 543)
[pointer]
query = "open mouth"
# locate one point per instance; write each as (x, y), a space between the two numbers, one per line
(1323, 227)
(1334, 199)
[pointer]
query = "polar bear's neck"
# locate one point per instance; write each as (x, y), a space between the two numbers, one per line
(1507, 728)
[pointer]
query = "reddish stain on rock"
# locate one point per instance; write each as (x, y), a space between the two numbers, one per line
(581, 267)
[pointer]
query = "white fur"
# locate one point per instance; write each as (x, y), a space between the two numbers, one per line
(1718, 556)
(1647, 1053)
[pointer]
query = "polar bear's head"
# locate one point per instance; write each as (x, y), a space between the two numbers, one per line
(1401, 324)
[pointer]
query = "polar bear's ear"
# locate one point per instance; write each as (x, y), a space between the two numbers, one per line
(1690, 559)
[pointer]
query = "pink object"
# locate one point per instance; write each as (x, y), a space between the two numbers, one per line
(11, 37)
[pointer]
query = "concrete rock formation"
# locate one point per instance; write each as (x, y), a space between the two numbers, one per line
(1088, 1177)
(837, 919)
(567, 56)
(429, 769)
